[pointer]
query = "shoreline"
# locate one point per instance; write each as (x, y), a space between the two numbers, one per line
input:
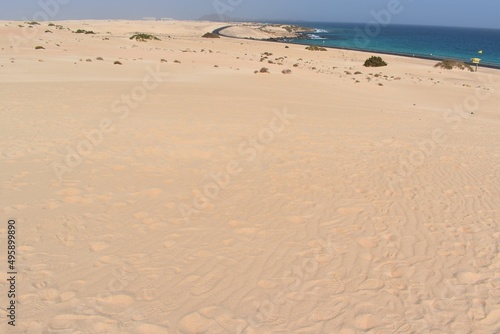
(280, 40)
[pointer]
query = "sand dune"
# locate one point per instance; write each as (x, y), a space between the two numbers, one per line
(179, 197)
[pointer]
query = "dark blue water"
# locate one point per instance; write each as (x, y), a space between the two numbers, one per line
(419, 41)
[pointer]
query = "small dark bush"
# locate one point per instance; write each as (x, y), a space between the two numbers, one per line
(33, 23)
(144, 37)
(210, 35)
(82, 31)
(52, 25)
(287, 71)
(117, 63)
(315, 48)
(450, 64)
(177, 61)
(375, 62)
(264, 70)
(99, 58)
(39, 48)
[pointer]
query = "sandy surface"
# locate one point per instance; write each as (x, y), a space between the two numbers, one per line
(179, 197)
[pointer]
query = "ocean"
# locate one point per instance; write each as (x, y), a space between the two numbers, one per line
(415, 41)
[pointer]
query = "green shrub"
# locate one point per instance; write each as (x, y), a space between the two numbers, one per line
(210, 35)
(144, 37)
(82, 31)
(375, 61)
(449, 64)
(315, 48)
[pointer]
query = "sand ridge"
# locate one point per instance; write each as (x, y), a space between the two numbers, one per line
(180, 197)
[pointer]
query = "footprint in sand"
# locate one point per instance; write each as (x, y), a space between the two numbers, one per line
(113, 304)
(396, 269)
(205, 284)
(328, 310)
(70, 195)
(151, 329)
(193, 323)
(98, 246)
(223, 317)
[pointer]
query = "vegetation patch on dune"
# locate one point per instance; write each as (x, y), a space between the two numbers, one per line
(39, 48)
(34, 23)
(375, 61)
(210, 35)
(449, 64)
(144, 37)
(315, 48)
(83, 31)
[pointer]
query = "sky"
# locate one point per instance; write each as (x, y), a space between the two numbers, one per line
(458, 13)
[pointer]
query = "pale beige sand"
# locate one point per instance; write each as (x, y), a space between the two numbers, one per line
(259, 31)
(350, 207)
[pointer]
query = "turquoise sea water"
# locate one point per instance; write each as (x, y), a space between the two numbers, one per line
(419, 41)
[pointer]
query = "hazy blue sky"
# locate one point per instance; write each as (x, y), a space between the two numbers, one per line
(469, 13)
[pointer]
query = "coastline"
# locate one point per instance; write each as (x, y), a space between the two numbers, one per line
(378, 52)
